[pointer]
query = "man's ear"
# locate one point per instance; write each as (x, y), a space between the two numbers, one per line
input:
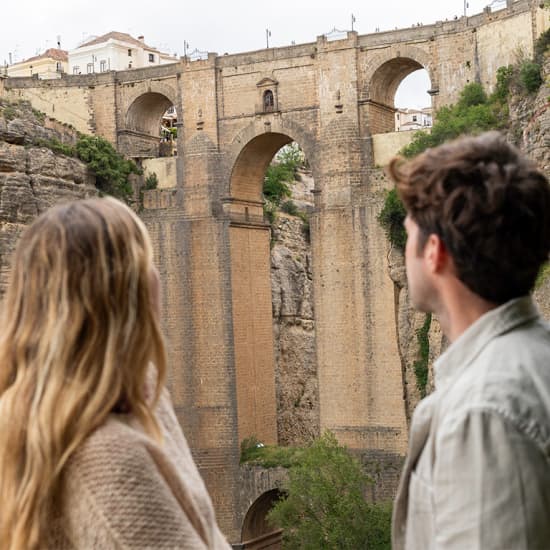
(436, 254)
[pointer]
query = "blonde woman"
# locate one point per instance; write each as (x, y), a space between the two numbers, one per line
(91, 454)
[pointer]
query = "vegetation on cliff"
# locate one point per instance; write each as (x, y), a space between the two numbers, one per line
(110, 169)
(280, 175)
(421, 367)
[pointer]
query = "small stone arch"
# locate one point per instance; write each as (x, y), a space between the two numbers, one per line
(139, 134)
(384, 74)
(145, 112)
(255, 525)
(396, 63)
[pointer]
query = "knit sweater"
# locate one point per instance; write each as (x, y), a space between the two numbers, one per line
(121, 489)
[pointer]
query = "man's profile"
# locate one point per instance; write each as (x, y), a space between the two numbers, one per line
(477, 475)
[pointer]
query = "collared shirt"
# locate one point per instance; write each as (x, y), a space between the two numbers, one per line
(477, 475)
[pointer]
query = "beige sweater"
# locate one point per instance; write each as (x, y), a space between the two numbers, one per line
(123, 490)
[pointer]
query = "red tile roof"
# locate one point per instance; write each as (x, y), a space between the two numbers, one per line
(122, 36)
(51, 53)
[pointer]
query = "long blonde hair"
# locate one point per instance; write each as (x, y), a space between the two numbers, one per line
(80, 329)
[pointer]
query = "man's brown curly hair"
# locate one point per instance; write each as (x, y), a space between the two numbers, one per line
(490, 206)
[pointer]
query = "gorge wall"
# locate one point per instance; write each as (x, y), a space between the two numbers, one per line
(33, 178)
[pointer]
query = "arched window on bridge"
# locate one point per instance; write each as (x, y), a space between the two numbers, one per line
(269, 101)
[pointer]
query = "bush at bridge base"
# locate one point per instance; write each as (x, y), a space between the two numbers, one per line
(326, 506)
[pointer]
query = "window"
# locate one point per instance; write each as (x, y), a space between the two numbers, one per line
(129, 53)
(58, 67)
(415, 118)
(269, 102)
(151, 58)
(102, 66)
(90, 68)
(76, 69)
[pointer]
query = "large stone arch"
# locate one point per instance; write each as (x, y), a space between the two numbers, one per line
(246, 161)
(139, 133)
(384, 74)
(260, 140)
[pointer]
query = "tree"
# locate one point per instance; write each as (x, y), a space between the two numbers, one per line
(281, 173)
(473, 113)
(326, 506)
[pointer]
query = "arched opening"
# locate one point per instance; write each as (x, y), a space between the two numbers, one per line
(145, 129)
(277, 395)
(383, 89)
(413, 103)
(269, 101)
(256, 531)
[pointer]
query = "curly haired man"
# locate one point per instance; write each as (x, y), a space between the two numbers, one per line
(477, 475)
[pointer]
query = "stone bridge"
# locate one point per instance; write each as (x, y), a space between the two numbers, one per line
(212, 243)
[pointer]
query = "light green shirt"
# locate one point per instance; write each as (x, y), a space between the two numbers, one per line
(477, 475)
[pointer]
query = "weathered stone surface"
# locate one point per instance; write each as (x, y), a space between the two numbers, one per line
(18, 202)
(32, 178)
(13, 158)
(293, 325)
(45, 162)
(409, 321)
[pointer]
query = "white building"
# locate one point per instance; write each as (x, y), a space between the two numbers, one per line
(50, 64)
(115, 51)
(413, 119)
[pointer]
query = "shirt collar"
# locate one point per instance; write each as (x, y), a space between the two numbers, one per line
(470, 343)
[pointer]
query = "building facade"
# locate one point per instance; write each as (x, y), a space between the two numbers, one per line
(115, 51)
(413, 119)
(50, 64)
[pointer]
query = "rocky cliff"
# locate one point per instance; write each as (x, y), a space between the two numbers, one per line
(293, 321)
(32, 178)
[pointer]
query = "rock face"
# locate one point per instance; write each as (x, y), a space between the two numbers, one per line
(293, 324)
(409, 322)
(530, 122)
(32, 178)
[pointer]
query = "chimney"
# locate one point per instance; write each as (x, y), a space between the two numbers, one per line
(141, 38)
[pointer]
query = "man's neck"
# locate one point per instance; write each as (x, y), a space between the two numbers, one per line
(459, 309)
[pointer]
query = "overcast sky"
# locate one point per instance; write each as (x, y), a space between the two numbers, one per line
(31, 26)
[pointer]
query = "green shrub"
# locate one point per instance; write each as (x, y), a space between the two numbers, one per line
(541, 46)
(474, 113)
(325, 506)
(8, 112)
(502, 87)
(39, 115)
(110, 169)
(289, 207)
(472, 94)
(268, 456)
(56, 146)
(282, 173)
(421, 364)
(543, 274)
(529, 74)
(277, 182)
(270, 211)
(391, 218)
(151, 181)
